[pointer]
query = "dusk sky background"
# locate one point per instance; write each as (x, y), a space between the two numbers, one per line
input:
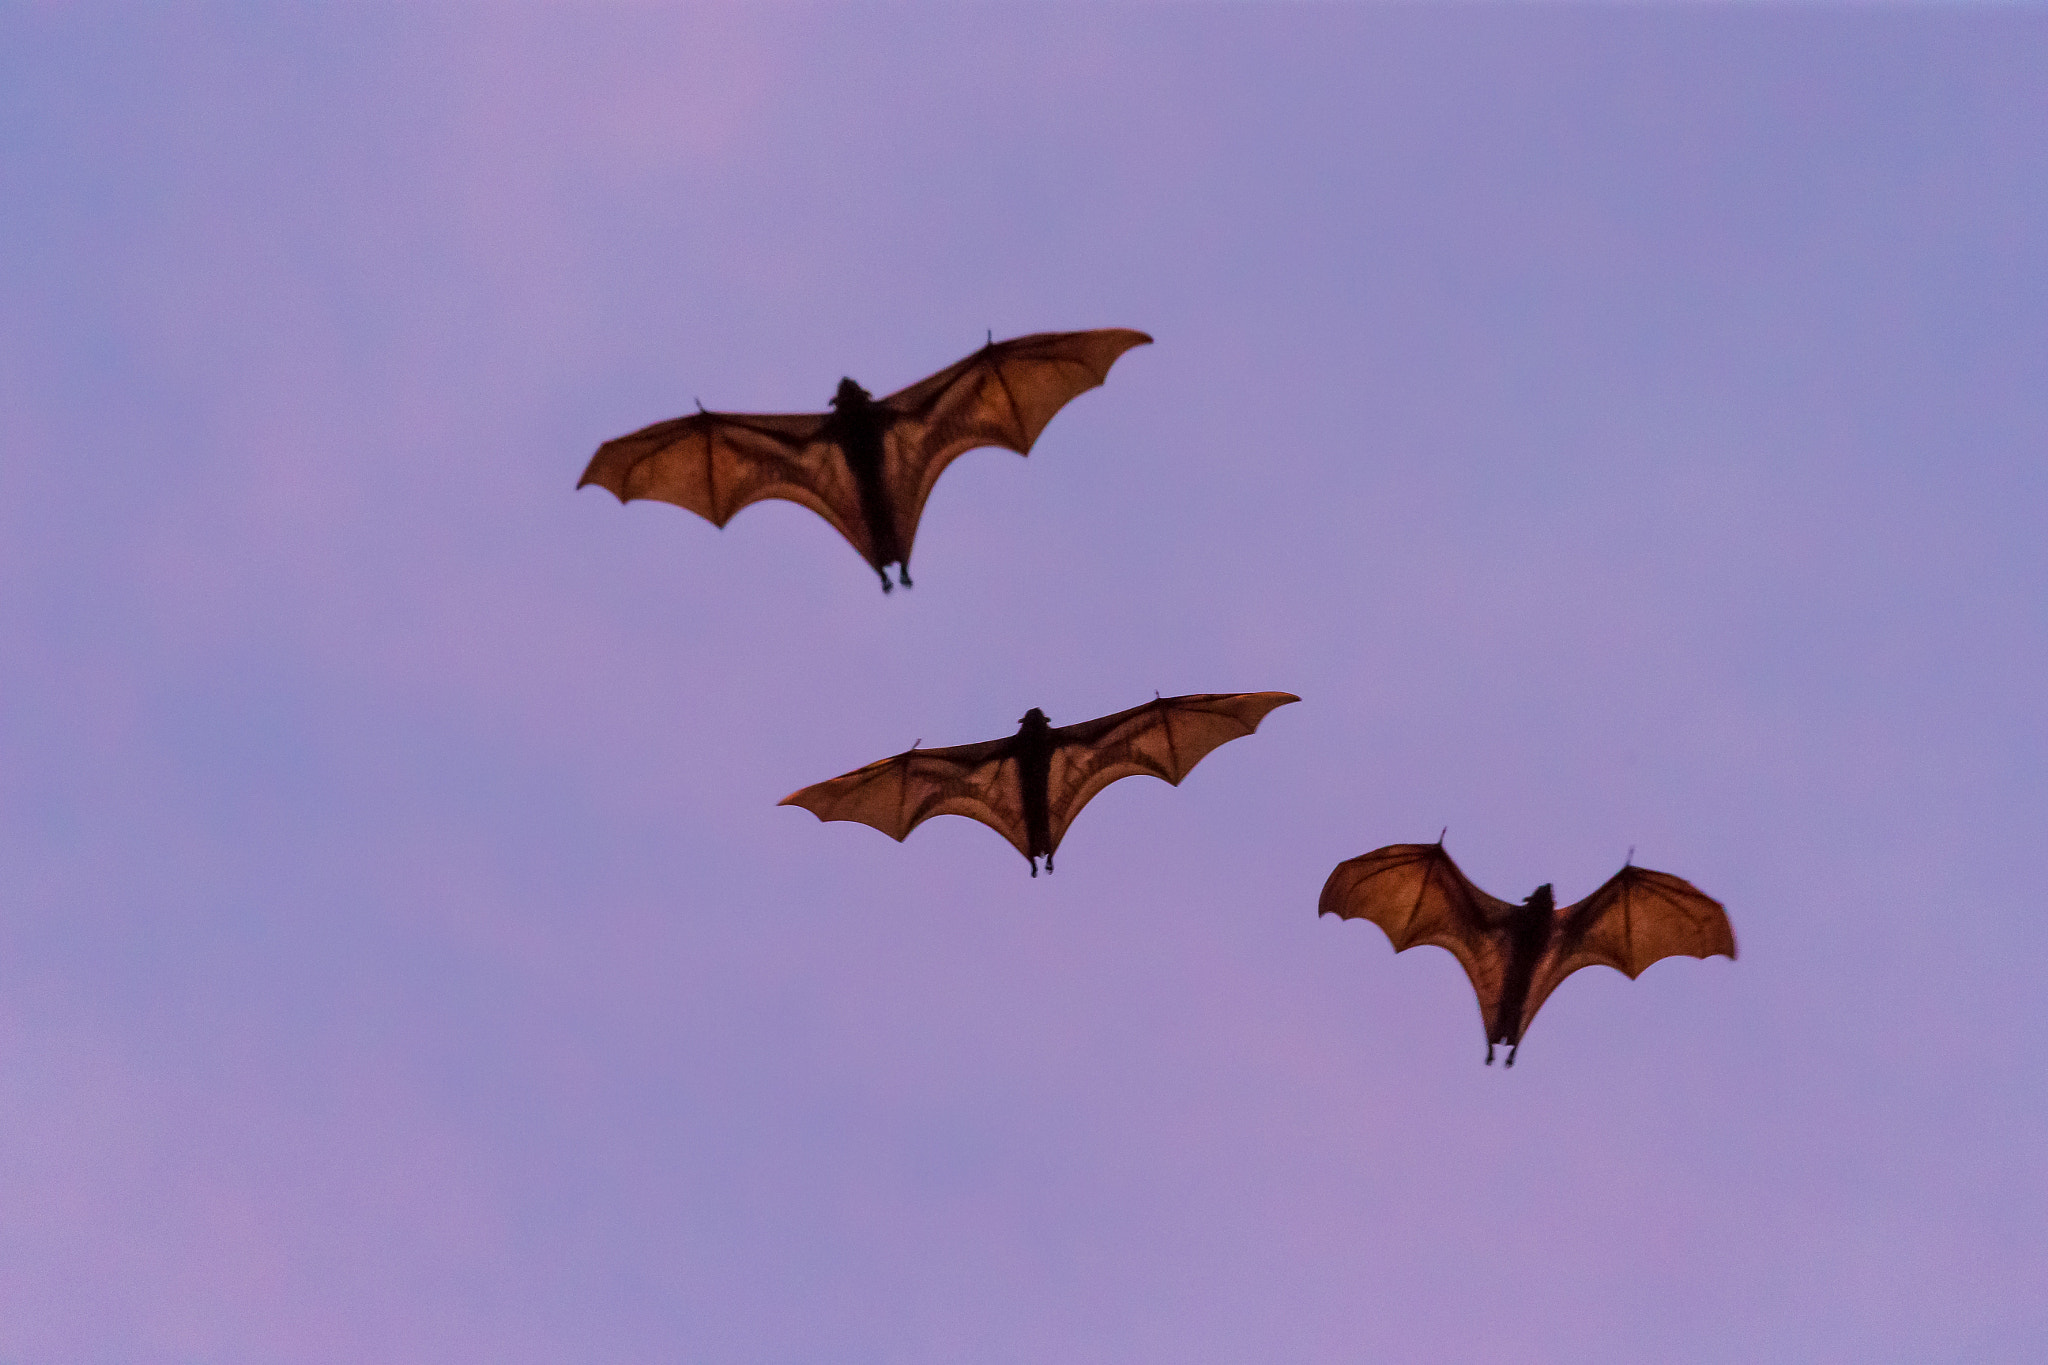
(1623, 427)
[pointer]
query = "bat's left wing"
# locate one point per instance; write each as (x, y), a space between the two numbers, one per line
(1418, 895)
(1164, 738)
(1636, 918)
(715, 463)
(895, 795)
(1002, 395)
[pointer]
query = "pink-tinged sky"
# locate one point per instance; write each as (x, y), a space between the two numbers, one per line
(1623, 427)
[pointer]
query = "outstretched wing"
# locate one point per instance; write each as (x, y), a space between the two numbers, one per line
(1636, 918)
(897, 794)
(1418, 895)
(1163, 738)
(715, 463)
(1002, 395)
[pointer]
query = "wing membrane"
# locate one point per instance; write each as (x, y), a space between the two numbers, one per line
(896, 795)
(1636, 918)
(1417, 895)
(715, 463)
(1002, 395)
(1164, 738)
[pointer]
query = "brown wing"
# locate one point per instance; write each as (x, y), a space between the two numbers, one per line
(1163, 738)
(1636, 918)
(1418, 895)
(897, 794)
(1002, 395)
(715, 463)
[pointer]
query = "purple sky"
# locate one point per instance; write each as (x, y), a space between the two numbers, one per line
(1622, 428)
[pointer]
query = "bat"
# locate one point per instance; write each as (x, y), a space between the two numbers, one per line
(868, 465)
(1517, 954)
(1029, 787)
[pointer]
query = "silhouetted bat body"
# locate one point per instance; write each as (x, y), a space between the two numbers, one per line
(1029, 787)
(868, 465)
(1516, 954)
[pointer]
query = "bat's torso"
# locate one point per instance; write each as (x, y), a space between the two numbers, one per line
(1529, 934)
(1034, 745)
(859, 423)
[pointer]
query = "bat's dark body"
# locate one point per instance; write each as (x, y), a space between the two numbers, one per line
(858, 425)
(1517, 954)
(1030, 786)
(868, 465)
(1033, 745)
(1528, 934)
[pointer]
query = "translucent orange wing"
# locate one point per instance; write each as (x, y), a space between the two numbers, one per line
(1417, 895)
(715, 463)
(1637, 917)
(896, 795)
(1165, 738)
(1002, 395)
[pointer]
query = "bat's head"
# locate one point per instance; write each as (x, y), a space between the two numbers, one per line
(1034, 718)
(1540, 899)
(850, 395)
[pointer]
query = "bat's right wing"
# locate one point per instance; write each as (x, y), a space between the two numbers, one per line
(1418, 895)
(895, 795)
(1164, 738)
(1002, 395)
(1636, 918)
(715, 463)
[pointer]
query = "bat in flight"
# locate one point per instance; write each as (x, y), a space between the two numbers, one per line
(1029, 787)
(868, 465)
(1516, 954)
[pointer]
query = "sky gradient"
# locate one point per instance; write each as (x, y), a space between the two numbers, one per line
(1624, 428)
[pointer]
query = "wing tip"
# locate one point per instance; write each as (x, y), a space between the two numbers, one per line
(1126, 340)
(588, 481)
(803, 799)
(604, 471)
(1337, 886)
(1268, 703)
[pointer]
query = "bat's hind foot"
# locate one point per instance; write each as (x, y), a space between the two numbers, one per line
(902, 575)
(1511, 1053)
(1489, 1054)
(887, 586)
(1034, 867)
